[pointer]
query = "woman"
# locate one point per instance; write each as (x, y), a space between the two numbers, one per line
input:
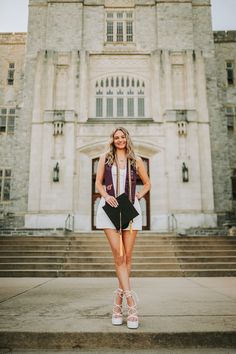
(112, 165)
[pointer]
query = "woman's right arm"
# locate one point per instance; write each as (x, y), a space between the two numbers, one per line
(99, 180)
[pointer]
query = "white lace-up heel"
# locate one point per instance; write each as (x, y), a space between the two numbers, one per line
(117, 317)
(132, 318)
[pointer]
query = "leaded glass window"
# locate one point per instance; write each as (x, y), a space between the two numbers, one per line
(120, 97)
(11, 73)
(7, 120)
(5, 184)
(119, 26)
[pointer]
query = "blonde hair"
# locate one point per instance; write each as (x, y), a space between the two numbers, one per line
(110, 155)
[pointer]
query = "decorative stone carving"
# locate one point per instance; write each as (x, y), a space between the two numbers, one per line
(182, 128)
(181, 119)
(58, 128)
(58, 122)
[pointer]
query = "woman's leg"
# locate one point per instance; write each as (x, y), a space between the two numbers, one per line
(129, 241)
(120, 261)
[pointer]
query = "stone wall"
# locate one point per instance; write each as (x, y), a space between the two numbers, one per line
(225, 46)
(14, 148)
(204, 41)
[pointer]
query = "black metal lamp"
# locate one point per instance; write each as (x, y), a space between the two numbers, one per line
(185, 174)
(56, 171)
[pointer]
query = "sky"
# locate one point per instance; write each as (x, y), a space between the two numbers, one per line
(14, 13)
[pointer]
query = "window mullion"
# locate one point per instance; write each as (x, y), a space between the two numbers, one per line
(125, 106)
(104, 106)
(114, 106)
(134, 97)
(115, 31)
(1, 183)
(124, 32)
(7, 120)
(234, 119)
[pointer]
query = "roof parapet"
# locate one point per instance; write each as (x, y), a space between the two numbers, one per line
(224, 36)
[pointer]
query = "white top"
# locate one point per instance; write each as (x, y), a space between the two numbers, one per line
(102, 220)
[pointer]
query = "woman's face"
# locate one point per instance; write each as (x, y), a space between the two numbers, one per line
(119, 139)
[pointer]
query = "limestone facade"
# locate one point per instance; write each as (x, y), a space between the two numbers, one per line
(156, 75)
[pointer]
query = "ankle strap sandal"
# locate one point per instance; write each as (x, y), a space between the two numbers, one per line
(132, 318)
(117, 316)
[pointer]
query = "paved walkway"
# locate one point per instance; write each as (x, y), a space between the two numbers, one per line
(196, 311)
(137, 351)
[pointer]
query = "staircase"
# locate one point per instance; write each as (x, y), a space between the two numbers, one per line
(89, 255)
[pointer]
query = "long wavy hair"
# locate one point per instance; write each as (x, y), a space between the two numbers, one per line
(110, 155)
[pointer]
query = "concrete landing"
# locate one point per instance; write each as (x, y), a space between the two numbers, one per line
(123, 351)
(75, 313)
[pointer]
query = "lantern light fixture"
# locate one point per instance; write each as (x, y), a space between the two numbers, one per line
(185, 173)
(56, 171)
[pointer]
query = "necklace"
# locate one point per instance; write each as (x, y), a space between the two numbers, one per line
(121, 159)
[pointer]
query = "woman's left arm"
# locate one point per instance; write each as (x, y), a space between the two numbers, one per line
(144, 178)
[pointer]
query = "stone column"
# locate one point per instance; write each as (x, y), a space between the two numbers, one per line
(49, 104)
(83, 97)
(201, 87)
(190, 99)
(38, 94)
(168, 99)
(35, 164)
(72, 81)
(156, 86)
(73, 132)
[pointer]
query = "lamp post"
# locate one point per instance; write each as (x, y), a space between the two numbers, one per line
(56, 171)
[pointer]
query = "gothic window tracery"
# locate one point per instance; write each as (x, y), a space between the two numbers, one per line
(120, 97)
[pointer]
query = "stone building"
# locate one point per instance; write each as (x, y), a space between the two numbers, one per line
(91, 65)
(14, 131)
(225, 49)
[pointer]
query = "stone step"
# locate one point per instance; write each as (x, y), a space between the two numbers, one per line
(225, 253)
(53, 240)
(103, 237)
(110, 266)
(153, 253)
(164, 240)
(105, 247)
(44, 259)
(111, 273)
(152, 256)
(140, 341)
(104, 243)
(89, 235)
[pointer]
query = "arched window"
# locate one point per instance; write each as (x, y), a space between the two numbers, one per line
(120, 97)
